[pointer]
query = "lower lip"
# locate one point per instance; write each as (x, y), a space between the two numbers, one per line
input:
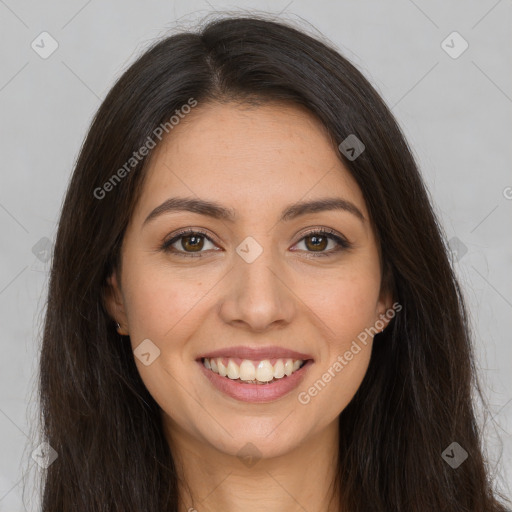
(256, 392)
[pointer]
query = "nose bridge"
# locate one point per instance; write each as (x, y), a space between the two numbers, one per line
(257, 294)
(257, 265)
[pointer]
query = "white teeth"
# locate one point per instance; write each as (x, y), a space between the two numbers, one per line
(222, 369)
(279, 369)
(265, 371)
(233, 370)
(248, 372)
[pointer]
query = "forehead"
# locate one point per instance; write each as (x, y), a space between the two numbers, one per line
(247, 157)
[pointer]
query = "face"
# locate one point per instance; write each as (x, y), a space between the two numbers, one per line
(270, 281)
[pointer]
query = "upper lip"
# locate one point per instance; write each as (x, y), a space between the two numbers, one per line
(258, 353)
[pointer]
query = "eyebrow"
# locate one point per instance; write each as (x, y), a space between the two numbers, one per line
(217, 211)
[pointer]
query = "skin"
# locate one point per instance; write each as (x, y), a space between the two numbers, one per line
(257, 161)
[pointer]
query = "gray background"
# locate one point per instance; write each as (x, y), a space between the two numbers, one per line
(455, 112)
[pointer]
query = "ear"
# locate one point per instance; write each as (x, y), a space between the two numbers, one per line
(114, 303)
(386, 309)
(384, 306)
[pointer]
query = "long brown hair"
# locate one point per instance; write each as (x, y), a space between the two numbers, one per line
(416, 398)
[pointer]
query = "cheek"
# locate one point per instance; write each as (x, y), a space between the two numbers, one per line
(163, 309)
(345, 358)
(161, 304)
(348, 303)
(348, 309)
(349, 312)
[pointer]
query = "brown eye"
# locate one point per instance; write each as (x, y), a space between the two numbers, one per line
(192, 242)
(317, 243)
(188, 243)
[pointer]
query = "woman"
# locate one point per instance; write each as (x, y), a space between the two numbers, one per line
(251, 304)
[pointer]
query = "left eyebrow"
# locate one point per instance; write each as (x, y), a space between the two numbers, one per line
(218, 211)
(319, 205)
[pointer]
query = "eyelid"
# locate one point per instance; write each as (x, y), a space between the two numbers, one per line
(324, 231)
(188, 231)
(338, 238)
(342, 244)
(169, 241)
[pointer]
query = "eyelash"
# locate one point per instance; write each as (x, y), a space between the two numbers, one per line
(343, 244)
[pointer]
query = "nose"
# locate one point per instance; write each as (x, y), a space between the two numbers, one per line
(257, 294)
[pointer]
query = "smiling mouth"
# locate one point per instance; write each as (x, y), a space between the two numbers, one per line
(248, 371)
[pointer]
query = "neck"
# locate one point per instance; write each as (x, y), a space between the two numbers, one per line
(212, 480)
